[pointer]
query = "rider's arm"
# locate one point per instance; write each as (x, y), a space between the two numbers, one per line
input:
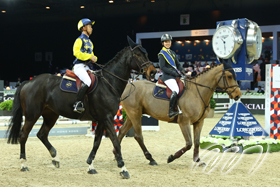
(164, 68)
(92, 51)
(84, 56)
(179, 67)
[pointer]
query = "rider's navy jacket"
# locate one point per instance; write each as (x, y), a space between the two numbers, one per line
(170, 70)
(83, 49)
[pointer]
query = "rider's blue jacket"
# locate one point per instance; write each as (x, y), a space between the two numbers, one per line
(83, 49)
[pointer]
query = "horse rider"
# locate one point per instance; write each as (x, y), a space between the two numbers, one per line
(83, 51)
(171, 69)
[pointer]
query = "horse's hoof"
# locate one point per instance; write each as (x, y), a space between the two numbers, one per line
(125, 174)
(170, 159)
(153, 163)
(202, 164)
(56, 163)
(92, 171)
(24, 169)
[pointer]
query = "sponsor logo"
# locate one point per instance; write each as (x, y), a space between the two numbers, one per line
(247, 123)
(227, 117)
(244, 114)
(224, 123)
(255, 106)
(68, 84)
(237, 70)
(249, 71)
(250, 131)
(221, 129)
(244, 118)
(229, 114)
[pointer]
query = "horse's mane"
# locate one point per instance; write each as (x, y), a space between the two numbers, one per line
(208, 69)
(115, 58)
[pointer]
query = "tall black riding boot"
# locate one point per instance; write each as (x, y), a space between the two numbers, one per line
(172, 105)
(79, 106)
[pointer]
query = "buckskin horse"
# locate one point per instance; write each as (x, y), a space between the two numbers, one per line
(194, 104)
(42, 96)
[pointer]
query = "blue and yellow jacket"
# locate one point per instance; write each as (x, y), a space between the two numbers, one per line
(83, 49)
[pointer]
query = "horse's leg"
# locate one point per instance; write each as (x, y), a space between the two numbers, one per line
(97, 140)
(139, 138)
(116, 143)
(137, 135)
(123, 130)
(27, 127)
(197, 127)
(186, 130)
(49, 121)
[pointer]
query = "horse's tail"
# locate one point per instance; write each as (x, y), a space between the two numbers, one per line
(15, 122)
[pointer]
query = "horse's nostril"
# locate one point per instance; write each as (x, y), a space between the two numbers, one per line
(236, 98)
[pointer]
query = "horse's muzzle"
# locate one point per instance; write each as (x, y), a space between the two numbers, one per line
(237, 97)
(153, 73)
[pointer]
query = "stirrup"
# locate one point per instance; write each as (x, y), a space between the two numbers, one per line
(179, 110)
(78, 109)
(175, 113)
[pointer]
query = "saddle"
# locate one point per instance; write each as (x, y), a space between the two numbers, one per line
(71, 83)
(161, 84)
(71, 74)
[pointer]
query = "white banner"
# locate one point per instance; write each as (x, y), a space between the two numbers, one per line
(276, 77)
(267, 97)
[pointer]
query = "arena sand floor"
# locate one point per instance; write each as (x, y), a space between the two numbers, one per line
(74, 150)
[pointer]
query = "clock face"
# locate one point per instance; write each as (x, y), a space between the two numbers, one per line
(259, 42)
(223, 42)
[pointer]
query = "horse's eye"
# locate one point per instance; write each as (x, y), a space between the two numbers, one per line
(229, 77)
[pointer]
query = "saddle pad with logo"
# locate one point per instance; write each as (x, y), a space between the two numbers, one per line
(69, 85)
(161, 93)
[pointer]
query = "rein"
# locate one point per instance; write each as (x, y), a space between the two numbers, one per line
(142, 71)
(226, 86)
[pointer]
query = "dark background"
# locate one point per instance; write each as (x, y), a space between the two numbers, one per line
(27, 27)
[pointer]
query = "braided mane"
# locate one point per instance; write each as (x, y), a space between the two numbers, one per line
(208, 69)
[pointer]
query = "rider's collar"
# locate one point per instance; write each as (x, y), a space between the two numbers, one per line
(165, 49)
(84, 35)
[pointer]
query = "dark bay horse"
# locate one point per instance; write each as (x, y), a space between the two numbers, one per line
(194, 104)
(42, 96)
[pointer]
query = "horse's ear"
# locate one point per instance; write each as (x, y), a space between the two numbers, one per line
(131, 43)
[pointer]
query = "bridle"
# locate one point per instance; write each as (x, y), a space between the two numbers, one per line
(225, 89)
(142, 67)
(226, 86)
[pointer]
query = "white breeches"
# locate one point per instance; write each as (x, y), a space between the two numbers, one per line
(172, 85)
(81, 71)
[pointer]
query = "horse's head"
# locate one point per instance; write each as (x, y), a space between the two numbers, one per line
(140, 61)
(227, 81)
